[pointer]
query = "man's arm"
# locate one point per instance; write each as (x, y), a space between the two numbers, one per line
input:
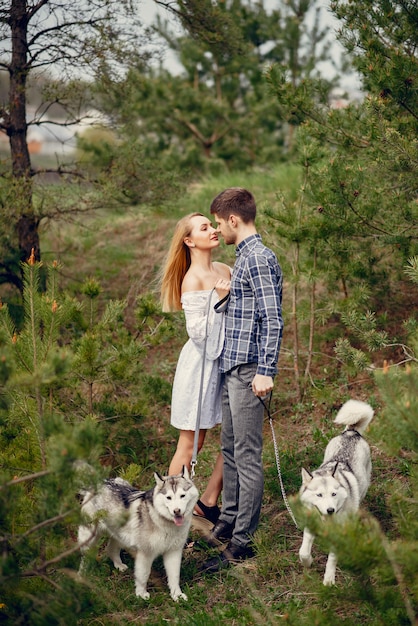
(266, 283)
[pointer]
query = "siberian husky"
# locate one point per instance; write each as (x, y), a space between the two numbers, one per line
(145, 523)
(338, 486)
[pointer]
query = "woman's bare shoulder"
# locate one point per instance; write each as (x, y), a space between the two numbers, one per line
(223, 269)
(191, 282)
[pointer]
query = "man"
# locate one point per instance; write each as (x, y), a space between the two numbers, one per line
(253, 332)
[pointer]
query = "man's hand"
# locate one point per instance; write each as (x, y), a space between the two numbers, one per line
(262, 385)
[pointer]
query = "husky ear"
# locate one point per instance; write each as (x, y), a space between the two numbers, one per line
(158, 479)
(185, 473)
(306, 476)
(335, 469)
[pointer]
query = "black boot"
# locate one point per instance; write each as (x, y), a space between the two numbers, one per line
(232, 555)
(219, 533)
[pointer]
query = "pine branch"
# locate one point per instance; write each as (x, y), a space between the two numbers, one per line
(23, 479)
(47, 522)
(37, 571)
(398, 575)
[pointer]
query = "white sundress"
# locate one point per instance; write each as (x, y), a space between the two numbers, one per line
(187, 379)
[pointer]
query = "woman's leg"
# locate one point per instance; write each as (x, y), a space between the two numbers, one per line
(214, 487)
(184, 452)
(183, 456)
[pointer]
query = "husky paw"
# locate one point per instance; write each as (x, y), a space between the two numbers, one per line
(142, 593)
(121, 567)
(328, 580)
(178, 595)
(305, 559)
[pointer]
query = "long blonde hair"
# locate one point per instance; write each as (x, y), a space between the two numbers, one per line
(176, 265)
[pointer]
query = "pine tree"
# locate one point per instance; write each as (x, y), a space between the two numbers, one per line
(63, 378)
(364, 185)
(359, 218)
(217, 113)
(39, 444)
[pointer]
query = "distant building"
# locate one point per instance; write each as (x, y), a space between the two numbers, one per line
(53, 137)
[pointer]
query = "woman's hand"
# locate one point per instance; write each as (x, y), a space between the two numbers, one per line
(222, 287)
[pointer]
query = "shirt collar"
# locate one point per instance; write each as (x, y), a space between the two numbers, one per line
(247, 244)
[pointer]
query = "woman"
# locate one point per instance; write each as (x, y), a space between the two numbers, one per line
(192, 281)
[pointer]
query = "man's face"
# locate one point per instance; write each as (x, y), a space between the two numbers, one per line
(225, 229)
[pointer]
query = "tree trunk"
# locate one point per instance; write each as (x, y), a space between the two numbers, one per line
(311, 328)
(295, 325)
(28, 236)
(27, 223)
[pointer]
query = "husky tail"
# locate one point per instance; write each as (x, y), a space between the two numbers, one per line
(355, 415)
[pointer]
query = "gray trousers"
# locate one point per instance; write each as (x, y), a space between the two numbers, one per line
(242, 447)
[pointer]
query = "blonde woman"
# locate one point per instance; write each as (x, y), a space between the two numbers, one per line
(192, 281)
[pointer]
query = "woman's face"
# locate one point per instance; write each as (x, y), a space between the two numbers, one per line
(203, 235)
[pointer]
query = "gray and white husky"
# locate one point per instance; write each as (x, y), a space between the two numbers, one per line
(146, 524)
(338, 486)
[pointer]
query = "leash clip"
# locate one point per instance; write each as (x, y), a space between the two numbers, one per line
(192, 469)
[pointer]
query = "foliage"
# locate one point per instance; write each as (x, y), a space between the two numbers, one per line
(39, 443)
(217, 114)
(382, 38)
(63, 381)
(38, 361)
(127, 174)
(359, 162)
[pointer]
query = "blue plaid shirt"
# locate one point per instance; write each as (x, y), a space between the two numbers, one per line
(253, 320)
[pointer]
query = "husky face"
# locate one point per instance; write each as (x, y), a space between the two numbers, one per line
(174, 497)
(323, 491)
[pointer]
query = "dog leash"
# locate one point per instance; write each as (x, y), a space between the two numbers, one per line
(193, 462)
(277, 455)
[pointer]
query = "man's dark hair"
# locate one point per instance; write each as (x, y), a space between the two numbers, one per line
(235, 201)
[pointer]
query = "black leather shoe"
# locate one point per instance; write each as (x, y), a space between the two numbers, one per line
(220, 532)
(232, 555)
